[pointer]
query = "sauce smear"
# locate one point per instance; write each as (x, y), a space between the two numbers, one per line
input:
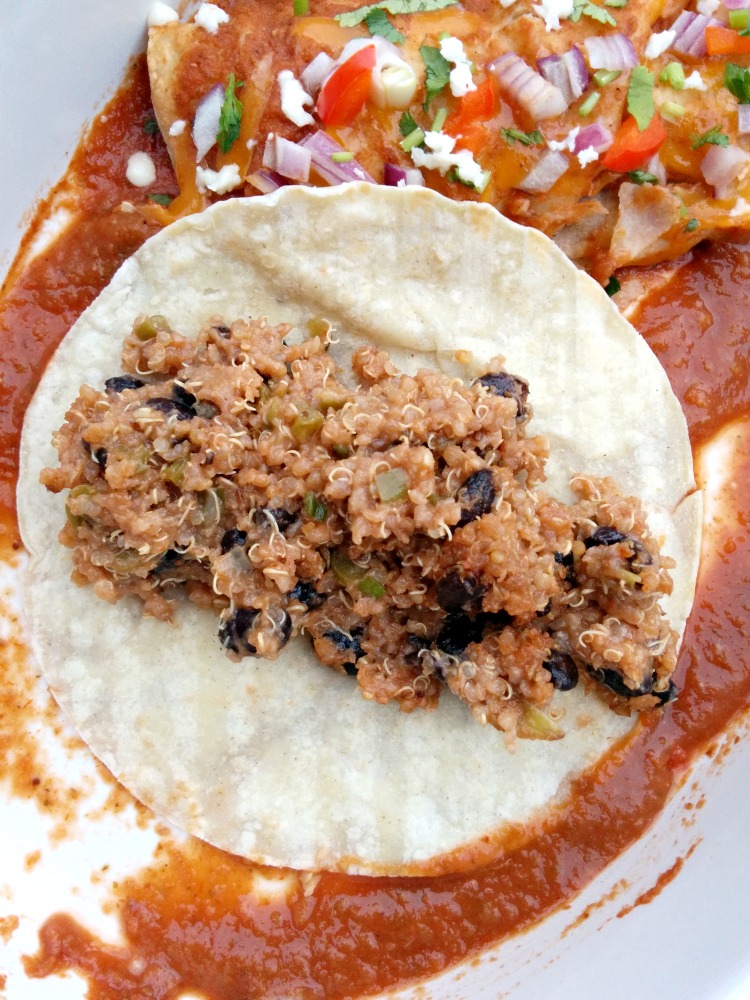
(191, 920)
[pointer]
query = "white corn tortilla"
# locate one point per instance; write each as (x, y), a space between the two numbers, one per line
(284, 762)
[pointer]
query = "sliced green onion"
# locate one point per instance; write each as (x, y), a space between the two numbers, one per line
(615, 3)
(589, 104)
(739, 19)
(674, 75)
(672, 111)
(413, 139)
(314, 508)
(602, 77)
(342, 157)
(483, 181)
(439, 120)
(301, 7)
(371, 587)
(392, 485)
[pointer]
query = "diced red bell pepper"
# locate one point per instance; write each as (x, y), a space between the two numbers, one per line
(721, 41)
(632, 148)
(344, 93)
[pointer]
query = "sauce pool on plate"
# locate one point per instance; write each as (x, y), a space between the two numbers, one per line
(191, 920)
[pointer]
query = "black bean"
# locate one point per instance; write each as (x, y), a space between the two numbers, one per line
(568, 562)
(283, 518)
(183, 397)
(666, 696)
(504, 384)
(305, 593)
(170, 407)
(457, 633)
(170, 560)
(641, 556)
(100, 457)
(352, 669)
(231, 538)
(346, 641)
(223, 330)
(456, 592)
(284, 629)
(614, 680)
(118, 383)
(605, 536)
(476, 496)
(417, 642)
(543, 612)
(233, 632)
(563, 670)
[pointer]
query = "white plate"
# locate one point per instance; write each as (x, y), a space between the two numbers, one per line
(58, 63)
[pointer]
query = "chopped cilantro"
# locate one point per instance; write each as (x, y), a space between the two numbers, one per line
(691, 226)
(641, 96)
(613, 286)
(407, 123)
(642, 177)
(587, 9)
(161, 199)
(674, 75)
(231, 115)
(378, 24)
(301, 7)
(151, 126)
(713, 137)
(438, 72)
(351, 18)
(512, 135)
(737, 82)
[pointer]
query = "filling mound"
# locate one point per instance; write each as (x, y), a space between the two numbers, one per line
(396, 520)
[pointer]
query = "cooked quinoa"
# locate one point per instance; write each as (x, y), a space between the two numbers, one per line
(396, 520)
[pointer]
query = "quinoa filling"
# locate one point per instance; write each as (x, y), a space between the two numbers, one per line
(396, 520)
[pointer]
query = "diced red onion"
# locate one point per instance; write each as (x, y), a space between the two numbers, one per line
(743, 119)
(549, 168)
(528, 88)
(736, 4)
(690, 33)
(206, 121)
(267, 181)
(269, 152)
(567, 72)
(321, 146)
(292, 160)
(721, 165)
(611, 52)
(395, 176)
(315, 72)
(596, 135)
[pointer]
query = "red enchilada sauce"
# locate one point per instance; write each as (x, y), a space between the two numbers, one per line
(190, 920)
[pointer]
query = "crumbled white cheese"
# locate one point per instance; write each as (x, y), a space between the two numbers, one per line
(659, 42)
(568, 143)
(552, 11)
(507, 3)
(161, 13)
(209, 16)
(293, 99)
(141, 170)
(741, 207)
(695, 81)
(218, 181)
(178, 127)
(587, 155)
(452, 49)
(708, 7)
(441, 157)
(251, 143)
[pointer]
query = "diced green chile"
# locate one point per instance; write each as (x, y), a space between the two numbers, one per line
(392, 485)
